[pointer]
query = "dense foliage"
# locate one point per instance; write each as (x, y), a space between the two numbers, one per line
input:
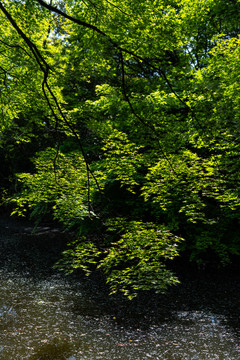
(120, 120)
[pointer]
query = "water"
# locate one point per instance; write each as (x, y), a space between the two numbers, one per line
(46, 316)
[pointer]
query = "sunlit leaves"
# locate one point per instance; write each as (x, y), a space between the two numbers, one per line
(148, 93)
(122, 159)
(82, 255)
(192, 181)
(60, 182)
(22, 77)
(136, 261)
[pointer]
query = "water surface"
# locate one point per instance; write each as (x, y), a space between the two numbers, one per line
(45, 315)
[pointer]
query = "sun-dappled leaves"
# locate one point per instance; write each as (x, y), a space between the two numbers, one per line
(124, 110)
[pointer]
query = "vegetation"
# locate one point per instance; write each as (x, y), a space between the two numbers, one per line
(120, 120)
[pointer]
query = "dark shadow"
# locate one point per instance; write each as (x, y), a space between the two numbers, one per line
(61, 351)
(217, 292)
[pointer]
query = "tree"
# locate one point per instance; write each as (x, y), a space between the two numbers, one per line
(140, 104)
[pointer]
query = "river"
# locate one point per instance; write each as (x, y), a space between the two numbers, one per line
(45, 315)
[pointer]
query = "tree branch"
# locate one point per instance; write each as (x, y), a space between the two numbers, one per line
(44, 67)
(71, 18)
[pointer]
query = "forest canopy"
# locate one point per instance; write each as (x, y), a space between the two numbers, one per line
(120, 120)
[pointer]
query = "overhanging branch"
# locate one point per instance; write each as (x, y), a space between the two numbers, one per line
(44, 67)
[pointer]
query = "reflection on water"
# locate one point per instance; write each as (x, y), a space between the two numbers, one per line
(52, 318)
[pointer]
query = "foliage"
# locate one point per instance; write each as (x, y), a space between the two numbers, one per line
(81, 255)
(137, 260)
(129, 109)
(60, 182)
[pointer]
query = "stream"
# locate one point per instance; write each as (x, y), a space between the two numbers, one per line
(45, 315)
